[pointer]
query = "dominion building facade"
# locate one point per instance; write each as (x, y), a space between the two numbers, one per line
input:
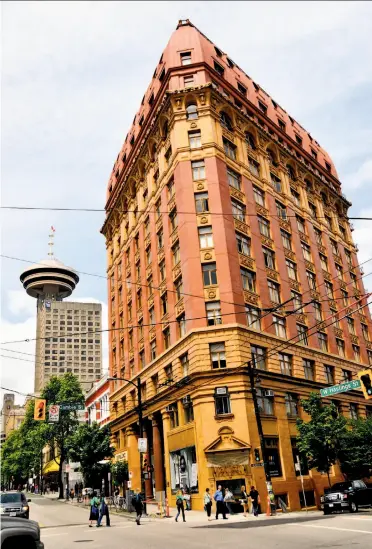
(227, 239)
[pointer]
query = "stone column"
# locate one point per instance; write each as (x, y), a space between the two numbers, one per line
(158, 459)
(148, 482)
(134, 464)
(166, 428)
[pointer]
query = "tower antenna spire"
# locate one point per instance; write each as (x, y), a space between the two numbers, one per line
(51, 241)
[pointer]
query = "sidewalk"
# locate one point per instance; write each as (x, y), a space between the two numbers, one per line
(194, 517)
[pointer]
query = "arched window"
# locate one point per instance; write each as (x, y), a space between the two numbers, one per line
(226, 121)
(166, 129)
(191, 111)
(250, 141)
(291, 172)
(324, 198)
(153, 152)
(309, 186)
(271, 157)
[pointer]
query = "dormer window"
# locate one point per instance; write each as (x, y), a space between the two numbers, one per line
(218, 68)
(262, 107)
(186, 58)
(242, 89)
(218, 51)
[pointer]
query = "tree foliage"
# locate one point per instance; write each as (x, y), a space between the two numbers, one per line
(119, 470)
(63, 389)
(89, 445)
(320, 439)
(356, 452)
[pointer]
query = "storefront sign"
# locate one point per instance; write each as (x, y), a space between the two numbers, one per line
(184, 469)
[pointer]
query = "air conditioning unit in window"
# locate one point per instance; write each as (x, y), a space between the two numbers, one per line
(269, 393)
(169, 409)
(186, 400)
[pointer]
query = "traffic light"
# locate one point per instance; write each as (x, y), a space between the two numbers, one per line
(145, 463)
(366, 380)
(39, 409)
(257, 456)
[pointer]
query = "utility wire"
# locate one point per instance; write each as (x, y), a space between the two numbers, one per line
(40, 208)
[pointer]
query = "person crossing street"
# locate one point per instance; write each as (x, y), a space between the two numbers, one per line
(138, 506)
(103, 512)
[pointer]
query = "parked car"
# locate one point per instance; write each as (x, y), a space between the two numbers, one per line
(19, 533)
(14, 504)
(346, 496)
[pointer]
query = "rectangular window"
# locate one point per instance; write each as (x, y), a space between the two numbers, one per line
(160, 240)
(365, 331)
(346, 375)
(188, 80)
(222, 401)
(244, 244)
(323, 341)
(198, 170)
(345, 298)
(340, 347)
(311, 278)
(281, 124)
(300, 225)
(148, 257)
(201, 202)
(334, 247)
(356, 351)
(299, 140)
(258, 357)
(328, 221)
(318, 311)
(205, 237)
(217, 354)
(168, 372)
(269, 258)
(272, 456)
(265, 403)
(259, 196)
(248, 280)
(286, 239)
(262, 107)
(309, 369)
(274, 291)
(176, 257)
(291, 404)
(188, 410)
(353, 279)
(318, 236)
(329, 373)
(369, 355)
(166, 338)
(229, 148)
(242, 89)
(306, 251)
(186, 58)
(329, 289)
(285, 362)
(164, 304)
(296, 198)
(213, 309)
(139, 299)
(276, 182)
(323, 262)
(209, 274)
(170, 189)
(253, 317)
(312, 209)
(351, 325)
(152, 316)
(195, 139)
(264, 226)
(302, 334)
(185, 365)
(162, 270)
(238, 210)
(219, 69)
(353, 411)
(173, 218)
(174, 418)
(348, 258)
(178, 286)
(281, 210)
(279, 326)
(254, 167)
(233, 179)
(291, 269)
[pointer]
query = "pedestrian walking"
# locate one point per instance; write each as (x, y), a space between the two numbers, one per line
(228, 499)
(103, 512)
(255, 497)
(208, 503)
(244, 500)
(138, 506)
(72, 495)
(94, 510)
(220, 506)
(180, 498)
(67, 492)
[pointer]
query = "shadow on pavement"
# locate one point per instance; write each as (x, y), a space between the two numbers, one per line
(260, 523)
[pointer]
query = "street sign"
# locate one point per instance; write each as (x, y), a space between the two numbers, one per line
(71, 406)
(142, 445)
(257, 464)
(342, 388)
(54, 413)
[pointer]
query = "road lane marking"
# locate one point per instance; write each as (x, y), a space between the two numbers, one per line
(333, 528)
(53, 535)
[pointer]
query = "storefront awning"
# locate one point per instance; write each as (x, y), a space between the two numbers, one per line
(51, 467)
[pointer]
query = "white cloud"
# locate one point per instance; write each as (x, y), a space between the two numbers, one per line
(361, 178)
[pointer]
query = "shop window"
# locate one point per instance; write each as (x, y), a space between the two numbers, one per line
(310, 498)
(272, 456)
(184, 470)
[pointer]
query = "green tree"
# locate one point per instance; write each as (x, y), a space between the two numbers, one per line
(64, 389)
(320, 439)
(90, 445)
(356, 451)
(119, 470)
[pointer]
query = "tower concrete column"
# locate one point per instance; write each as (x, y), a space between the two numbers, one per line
(158, 458)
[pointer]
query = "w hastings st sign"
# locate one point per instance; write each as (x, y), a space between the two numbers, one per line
(342, 388)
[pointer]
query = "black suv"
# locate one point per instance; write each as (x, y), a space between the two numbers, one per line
(348, 496)
(14, 504)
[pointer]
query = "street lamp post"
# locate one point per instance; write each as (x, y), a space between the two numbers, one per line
(140, 418)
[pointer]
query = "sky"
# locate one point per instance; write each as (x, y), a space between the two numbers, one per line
(73, 76)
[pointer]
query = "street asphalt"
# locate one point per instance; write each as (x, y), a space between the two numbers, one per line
(63, 525)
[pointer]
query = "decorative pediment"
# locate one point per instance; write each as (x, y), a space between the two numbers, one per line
(226, 442)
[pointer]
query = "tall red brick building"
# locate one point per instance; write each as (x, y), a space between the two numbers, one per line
(227, 238)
